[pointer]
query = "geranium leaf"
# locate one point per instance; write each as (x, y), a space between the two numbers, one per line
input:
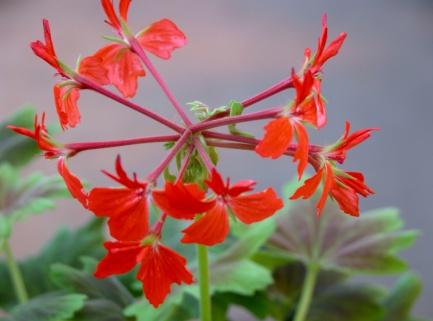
(48, 307)
(107, 297)
(345, 302)
(178, 306)
(21, 197)
(368, 244)
(399, 303)
(66, 247)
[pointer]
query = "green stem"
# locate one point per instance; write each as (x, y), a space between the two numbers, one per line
(203, 270)
(307, 292)
(16, 276)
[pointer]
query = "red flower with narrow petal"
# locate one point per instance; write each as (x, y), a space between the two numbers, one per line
(72, 182)
(66, 94)
(123, 66)
(126, 207)
(342, 186)
(46, 50)
(213, 226)
(160, 266)
(41, 137)
(346, 142)
(323, 53)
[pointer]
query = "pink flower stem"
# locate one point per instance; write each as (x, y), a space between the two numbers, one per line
(87, 83)
(136, 47)
(253, 141)
(76, 148)
(259, 115)
(153, 176)
(273, 90)
(203, 154)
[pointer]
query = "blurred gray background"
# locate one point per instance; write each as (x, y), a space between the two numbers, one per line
(382, 78)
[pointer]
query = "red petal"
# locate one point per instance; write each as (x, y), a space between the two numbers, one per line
(123, 67)
(66, 99)
(216, 183)
(210, 229)
(110, 13)
(92, 67)
(255, 207)
(121, 258)
(327, 186)
(73, 184)
(309, 187)
(301, 153)
(346, 198)
(321, 43)
(182, 201)
(161, 38)
(127, 211)
(241, 187)
(160, 268)
(278, 134)
(123, 9)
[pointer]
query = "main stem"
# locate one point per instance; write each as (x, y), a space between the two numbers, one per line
(203, 275)
(16, 276)
(307, 292)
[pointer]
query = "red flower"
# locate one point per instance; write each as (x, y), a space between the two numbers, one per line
(46, 50)
(72, 182)
(66, 94)
(323, 53)
(122, 64)
(346, 142)
(41, 137)
(280, 132)
(213, 226)
(160, 266)
(126, 207)
(342, 186)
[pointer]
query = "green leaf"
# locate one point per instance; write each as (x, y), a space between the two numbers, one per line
(336, 241)
(399, 303)
(20, 198)
(347, 303)
(48, 307)
(236, 109)
(16, 149)
(66, 247)
(260, 305)
(107, 297)
(66, 277)
(177, 306)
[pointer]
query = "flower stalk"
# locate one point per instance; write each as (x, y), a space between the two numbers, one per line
(204, 283)
(307, 291)
(15, 273)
